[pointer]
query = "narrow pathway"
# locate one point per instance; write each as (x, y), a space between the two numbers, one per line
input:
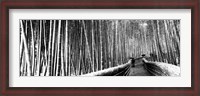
(139, 70)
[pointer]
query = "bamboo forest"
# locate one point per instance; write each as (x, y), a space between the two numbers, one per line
(81, 47)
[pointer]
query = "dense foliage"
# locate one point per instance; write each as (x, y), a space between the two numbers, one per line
(76, 47)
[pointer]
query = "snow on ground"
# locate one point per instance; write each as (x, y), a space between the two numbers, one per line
(106, 70)
(170, 69)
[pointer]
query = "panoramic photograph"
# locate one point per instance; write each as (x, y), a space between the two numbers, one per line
(110, 47)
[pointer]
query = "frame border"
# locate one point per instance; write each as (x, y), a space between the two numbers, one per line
(119, 4)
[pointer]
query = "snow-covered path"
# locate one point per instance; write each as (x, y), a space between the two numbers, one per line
(139, 70)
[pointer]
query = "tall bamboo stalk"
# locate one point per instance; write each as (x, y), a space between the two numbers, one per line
(26, 49)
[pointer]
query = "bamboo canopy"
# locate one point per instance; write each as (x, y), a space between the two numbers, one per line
(78, 47)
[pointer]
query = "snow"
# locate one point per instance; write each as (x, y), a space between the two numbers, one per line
(169, 69)
(109, 70)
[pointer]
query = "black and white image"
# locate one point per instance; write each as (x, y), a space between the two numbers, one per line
(111, 47)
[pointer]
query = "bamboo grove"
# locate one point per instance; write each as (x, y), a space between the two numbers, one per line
(77, 47)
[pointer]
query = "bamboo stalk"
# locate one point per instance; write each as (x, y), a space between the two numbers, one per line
(62, 55)
(26, 49)
(58, 42)
(47, 73)
(44, 67)
(86, 37)
(93, 45)
(33, 48)
(39, 49)
(66, 46)
(52, 51)
(21, 52)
